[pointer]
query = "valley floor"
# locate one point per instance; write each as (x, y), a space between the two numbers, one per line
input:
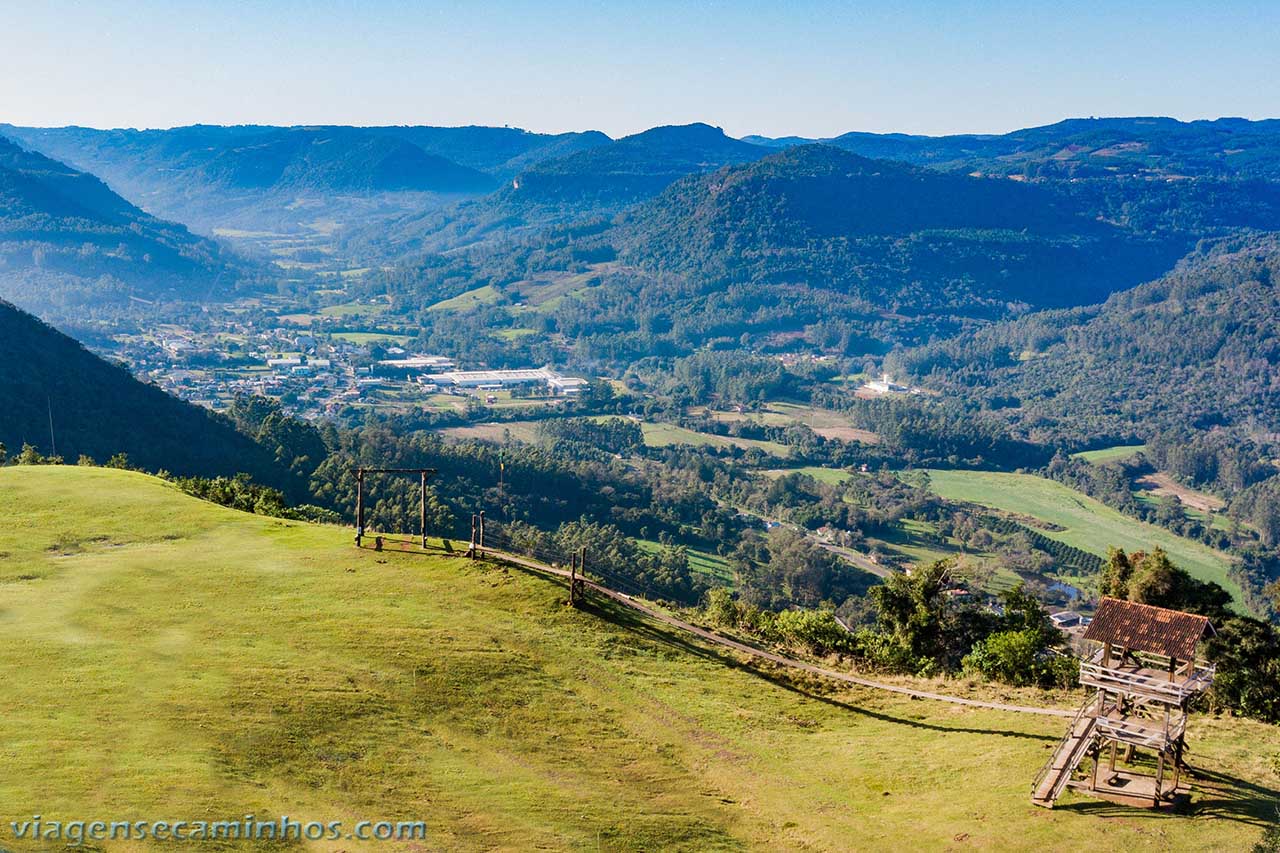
(166, 658)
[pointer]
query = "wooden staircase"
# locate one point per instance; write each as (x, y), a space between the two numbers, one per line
(1055, 775)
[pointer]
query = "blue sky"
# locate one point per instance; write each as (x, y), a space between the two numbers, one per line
(786, 67)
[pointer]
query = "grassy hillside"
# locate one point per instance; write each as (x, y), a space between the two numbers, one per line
(170, 658)
(1088, 524)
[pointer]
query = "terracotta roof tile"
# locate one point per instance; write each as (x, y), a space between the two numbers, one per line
(1142, 627)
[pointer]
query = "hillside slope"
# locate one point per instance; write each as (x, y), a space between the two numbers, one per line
(62, 230)
(49, 382)
(1196, 347)
(227, 664)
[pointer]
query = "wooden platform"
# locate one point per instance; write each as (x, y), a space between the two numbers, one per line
(1128, 789)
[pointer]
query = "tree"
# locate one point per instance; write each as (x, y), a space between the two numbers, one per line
(1114, 581)
(912, 608)
(30, 456)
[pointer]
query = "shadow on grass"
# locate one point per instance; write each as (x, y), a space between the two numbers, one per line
(637, 623)
(1214, 795)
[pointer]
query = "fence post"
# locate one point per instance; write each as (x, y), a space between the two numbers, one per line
(482, 534)
(422, 510)
(573, 580)
(471, 547)
(359, 506)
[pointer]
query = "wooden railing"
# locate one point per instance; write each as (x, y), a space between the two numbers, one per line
(1094, 674)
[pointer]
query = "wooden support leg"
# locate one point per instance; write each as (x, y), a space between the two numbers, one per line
(480, 541)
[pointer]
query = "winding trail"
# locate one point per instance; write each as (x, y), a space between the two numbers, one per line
(782, 660)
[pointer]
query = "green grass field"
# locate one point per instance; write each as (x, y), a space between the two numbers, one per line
(706, 563)
(664, 434)
(166, 658)
(1110, 454)
(362, 338)
(1090, 525)
(486, 295)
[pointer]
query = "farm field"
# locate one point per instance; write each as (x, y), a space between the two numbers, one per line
(362, 338)
(1110, 454)
(486, 295)
(664, 434)
(824, 422)
(211, 664)
(704, 563)
(498, 432)
(1088, 524)
(830, 476)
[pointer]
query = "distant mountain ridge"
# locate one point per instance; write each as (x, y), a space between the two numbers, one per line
(1084, 147)
(597, 182)
(60, 225)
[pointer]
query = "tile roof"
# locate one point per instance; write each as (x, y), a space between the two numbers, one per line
(1142, 627)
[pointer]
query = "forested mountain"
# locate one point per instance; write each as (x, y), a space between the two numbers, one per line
(1097, 147)
(893, 236)
(597, 182)
(66, 239)
(261, 178)
(61, 398)
(1196, 349)
(819, 247)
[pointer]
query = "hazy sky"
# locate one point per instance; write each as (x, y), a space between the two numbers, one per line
(784, 67)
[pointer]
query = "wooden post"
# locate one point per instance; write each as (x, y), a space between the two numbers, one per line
(422, 510)
(573, 580)
(481, 541)
(359, 506)
(471, 549)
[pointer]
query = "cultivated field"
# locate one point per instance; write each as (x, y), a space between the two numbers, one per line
(167, 658)
(1086, 523)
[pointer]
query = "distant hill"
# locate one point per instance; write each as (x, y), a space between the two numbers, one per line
(1194, 349)
(819, 248)
(256, 186)
(884, 237)
(499, 151)
(597, 182)
(59, 394)
(1095, 147)
(66, 239)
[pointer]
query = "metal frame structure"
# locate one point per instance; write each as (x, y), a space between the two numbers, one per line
(423, 473)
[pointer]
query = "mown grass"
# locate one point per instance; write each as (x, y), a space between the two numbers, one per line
(165, 658)
(1110, 454)
(664, 434)
(486, 295)
(1087, 524)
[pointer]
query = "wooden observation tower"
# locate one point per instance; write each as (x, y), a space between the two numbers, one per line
(1144, 675)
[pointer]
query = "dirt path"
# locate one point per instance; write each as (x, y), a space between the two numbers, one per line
(1163, 484)
(752, 651)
